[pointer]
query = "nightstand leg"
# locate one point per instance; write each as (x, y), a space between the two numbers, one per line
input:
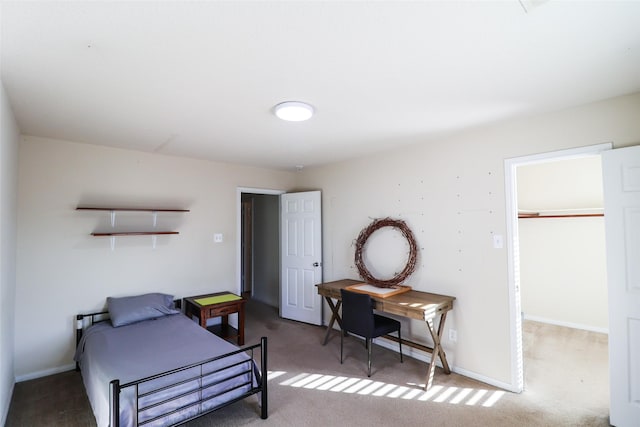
(225, 325)
(241, 325)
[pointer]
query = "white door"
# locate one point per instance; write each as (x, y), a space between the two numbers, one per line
(621, 173)
(301, 256)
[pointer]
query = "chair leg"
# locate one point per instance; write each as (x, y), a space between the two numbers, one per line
(341, 345)
(400, 342)
(369, 345)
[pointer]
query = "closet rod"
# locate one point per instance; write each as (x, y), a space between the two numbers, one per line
(537, 215)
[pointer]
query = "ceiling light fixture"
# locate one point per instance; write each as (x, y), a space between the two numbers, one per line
(294, 111)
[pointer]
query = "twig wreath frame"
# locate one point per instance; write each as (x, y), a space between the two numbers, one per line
(411, 261)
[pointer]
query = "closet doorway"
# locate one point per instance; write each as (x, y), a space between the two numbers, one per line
(517, 283)
(564, 281)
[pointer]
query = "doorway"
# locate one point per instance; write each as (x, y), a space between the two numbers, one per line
(513, 248)
(258, 248)
(258, 251)
(563, 279)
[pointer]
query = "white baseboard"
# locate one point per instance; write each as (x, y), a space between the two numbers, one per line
(44, 373)
(426, 357)
(566, 324)
(486, 380)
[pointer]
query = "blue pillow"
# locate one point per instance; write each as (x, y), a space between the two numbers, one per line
(127, 310)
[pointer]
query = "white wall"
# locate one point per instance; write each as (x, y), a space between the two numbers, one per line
(452, 194)
(9, 139)
(563, 260)
(563, 272)
(62, 270)
(566, 185)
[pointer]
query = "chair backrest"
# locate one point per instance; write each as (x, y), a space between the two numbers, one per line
(357, 313)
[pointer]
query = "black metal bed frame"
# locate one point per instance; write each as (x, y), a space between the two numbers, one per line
(257, 382)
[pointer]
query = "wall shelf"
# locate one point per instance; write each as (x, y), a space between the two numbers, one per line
(113, 234)
(91, 208)
(133, 233)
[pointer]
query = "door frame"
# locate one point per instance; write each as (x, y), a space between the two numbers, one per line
(246, 233)
(513, 245)
(239, 192)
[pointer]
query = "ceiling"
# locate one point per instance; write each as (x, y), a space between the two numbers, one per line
(200, 79)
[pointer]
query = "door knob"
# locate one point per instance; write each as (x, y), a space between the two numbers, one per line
(316, 264)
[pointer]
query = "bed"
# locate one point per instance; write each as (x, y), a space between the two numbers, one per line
(144, 363)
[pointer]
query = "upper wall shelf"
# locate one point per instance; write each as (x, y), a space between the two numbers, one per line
(115, 233)
(92, 208)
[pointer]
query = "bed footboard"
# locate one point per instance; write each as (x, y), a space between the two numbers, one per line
(189, 392)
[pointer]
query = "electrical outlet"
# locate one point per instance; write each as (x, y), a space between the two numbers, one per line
(453, 335)
(218, 238)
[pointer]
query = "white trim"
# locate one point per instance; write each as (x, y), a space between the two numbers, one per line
(513, 269)
(426, 358)
(571, 153)
(513, 258)
(239, 192)
(486, 380)
(566, 324)
(45, 373)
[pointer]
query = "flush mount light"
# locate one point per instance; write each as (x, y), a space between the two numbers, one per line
(294, 111)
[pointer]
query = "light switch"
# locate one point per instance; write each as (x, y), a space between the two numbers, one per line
(218, 238)
(498, 242)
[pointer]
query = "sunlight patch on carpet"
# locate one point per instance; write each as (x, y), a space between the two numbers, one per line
(436, 394)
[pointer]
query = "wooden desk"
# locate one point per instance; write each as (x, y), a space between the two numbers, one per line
(226, 304)
(413, 304)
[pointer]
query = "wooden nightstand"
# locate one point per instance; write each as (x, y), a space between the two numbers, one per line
(220, 304)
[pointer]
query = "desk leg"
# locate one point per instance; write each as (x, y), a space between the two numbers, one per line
(335, 315)
(437, 351)
(443, 357)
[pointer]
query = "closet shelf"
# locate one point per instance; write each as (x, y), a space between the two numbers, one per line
(537, 215)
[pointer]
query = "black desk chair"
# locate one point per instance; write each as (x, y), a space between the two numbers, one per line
(359, 319)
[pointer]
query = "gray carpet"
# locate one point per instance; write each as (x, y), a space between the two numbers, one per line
(565, 371)
(566, 385)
